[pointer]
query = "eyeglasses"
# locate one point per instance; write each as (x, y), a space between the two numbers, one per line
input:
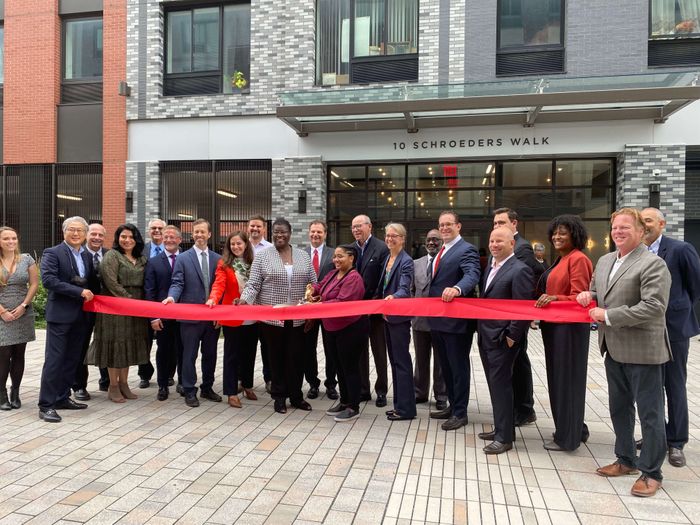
(75, 230)
(358, 226)
(446, 224)
(156, 228)
(392, 236)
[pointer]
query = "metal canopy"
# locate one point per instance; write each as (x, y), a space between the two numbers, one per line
(526, 102)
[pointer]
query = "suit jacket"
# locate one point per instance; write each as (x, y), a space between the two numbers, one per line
(399, 285)
(64, 303)
(187, 284)
(373, 260)
(147, 249)
(524, 252)
(459, 266)
(684, 264)
(635, 299)
(512, 281)
(325, 265)
(157, 277)
(420, 288)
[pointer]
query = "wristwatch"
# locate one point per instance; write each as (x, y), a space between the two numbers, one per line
(25, 306)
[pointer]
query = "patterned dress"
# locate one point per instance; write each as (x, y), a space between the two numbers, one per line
(11, 296)
(120, 341)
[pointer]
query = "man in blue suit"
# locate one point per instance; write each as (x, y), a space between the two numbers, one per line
(68, 275)
(192, 277)
(456, 271)
(684, 264)
(156, 284)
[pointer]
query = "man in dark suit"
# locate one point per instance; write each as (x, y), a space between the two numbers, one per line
(95, 250)
(157, 281)
(191, 282)
(322, 260)
(522, 369)
(684, 264)
(68, 275)
(423, 343)
(501, 341)
(371, 255)
(455, 273)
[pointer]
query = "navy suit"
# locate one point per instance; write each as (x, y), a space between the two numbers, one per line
(146, 369)
(156, 284)
(66, 323)
(512, 281)
(398, 334)
(684, 264)
(459, 266)
(370, 265)
(187, 286)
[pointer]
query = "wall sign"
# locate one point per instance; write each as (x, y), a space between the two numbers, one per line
(466, 144)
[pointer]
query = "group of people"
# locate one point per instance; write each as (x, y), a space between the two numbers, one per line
(643, 336)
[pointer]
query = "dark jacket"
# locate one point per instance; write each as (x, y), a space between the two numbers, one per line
(684, 264)
(373, 261)
(399, 285)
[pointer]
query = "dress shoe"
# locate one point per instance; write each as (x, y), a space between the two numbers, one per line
(332, 393)
(487, 436)
(234, 402)
(645, 486)
(347, 415)
(191, 400)
(676, 457)
(639, 444)
(171, 381)
(584, 436)
(4, 401)
(497, 447)
(381, 400)
(81, 395)
(162, 393)
(519, 422)
(552, 446)
(250, 394)
(114, 394)
(15, 401)
(268, 387)
(144, 383)
(365, 397)
(280, 406)
(440, 405)
(313, 392)
(126, 391)
(301, 405)
(454, 423)
(103, 387)
(336, 409)
(211, 395)
(445, 413)
(180, 389)
(49, 415)
(420, 400)
(69, 404)
(389, 412)
(615, 470)
(394, 416)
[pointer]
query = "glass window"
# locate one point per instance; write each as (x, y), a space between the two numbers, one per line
(583, 173)
(675, 18)
(586, 202)
(529, 22)
(386, 178)
(527, 174)
(347, 178)
(333, 42)
(205, 39)
(236, 47)
(179, 42)
(83, 49)
(369, 28)
(439, 176)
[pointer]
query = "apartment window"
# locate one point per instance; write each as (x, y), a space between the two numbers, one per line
(530, 37)
(363, 41)
(82, 60)
(674, 33)
(208, 50)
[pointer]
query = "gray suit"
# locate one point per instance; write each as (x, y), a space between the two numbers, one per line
(637, 346)
(422, 340)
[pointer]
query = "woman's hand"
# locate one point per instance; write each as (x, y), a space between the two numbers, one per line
(388, 297)
(584, 298)
(210, 303)
(19, 311)
(544, 300)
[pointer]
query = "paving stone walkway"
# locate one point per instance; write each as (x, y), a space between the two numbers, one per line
(151, 462)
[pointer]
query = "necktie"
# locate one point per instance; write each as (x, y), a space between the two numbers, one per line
(172, 261)
(437, 260)
(429, 268)
(158, 250)
(358, 264)
(315, 261)
(96, 261)
(205, 271)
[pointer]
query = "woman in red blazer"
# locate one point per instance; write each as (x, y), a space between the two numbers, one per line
(566, 344)
(240, 338)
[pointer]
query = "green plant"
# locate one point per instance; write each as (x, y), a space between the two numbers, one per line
(238, 80)
(39, 305)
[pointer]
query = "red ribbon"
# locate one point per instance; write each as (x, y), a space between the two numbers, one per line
(499, 309)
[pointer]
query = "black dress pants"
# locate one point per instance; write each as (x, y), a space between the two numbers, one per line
(498, 367)
(346, 347)
(238, 340)
(285, 346)
(676, 375)
(423, 344)
(524, 398)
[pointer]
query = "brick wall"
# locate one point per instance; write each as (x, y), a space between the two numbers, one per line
(32, 81)
(143, 179)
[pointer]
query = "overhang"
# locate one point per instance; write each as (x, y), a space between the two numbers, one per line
(557, 99)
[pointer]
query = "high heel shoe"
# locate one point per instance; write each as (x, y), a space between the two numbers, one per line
(126, 391)
(250, 394)
(114, 394)
(234, 401)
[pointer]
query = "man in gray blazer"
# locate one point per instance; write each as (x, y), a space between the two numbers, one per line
(423, 343)
(632, 287)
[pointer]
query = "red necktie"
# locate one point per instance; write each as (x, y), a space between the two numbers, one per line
(315, 261)
(437, 260)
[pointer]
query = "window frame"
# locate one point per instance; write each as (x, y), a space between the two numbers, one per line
(64, 33)
(676, 37)
(524, 48)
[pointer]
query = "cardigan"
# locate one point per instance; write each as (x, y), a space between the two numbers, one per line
(349, 288)
(569, 275)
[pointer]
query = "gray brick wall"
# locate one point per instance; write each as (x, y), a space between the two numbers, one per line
(143, 179)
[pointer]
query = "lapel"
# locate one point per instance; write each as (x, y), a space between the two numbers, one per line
(392, 272)
(446, 256)
(166, 261)
(504, 270)
(663, 246)
(68, 256)
(327, 256)
(369, 252)
(632, 259)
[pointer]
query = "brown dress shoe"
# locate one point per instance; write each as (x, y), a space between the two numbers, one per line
(234, 402)
(645, 486)
(250, 394)
(616, 469)
(126, 391)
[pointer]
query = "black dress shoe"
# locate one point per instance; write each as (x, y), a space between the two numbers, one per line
(171, 382)
(103, 387)
(487, 436)
(180, 389)
(553, 447)
(454, 423)
(280, 406)
(313, 392)
(191, 400)
(332, 393)
(676, 457)
(392, 411)
(69, 404)
(398, 417)
(440, 405)
(497, 448)
(639, 444)
(420, 400)
(381, 400)
(302, 405)
(211, 395)
(81, 395)
(445, 413)
(144, 383)
(163, 393)
(520, 421)
(49, 415)
(365, 397)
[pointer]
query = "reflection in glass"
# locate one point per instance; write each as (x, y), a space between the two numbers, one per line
(583, 172)
(236, 47)
(530, 22)
(205, 39)
(439, 176)
(527, 173)
(386, 178)
(83, 49)
(428, 204)
(675, 18)
(179, 42)
(347, 178)
(332, 42)
(369, 28)
(528, 202)
(587, 202)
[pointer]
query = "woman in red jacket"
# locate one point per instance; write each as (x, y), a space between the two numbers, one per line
(240, 338)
